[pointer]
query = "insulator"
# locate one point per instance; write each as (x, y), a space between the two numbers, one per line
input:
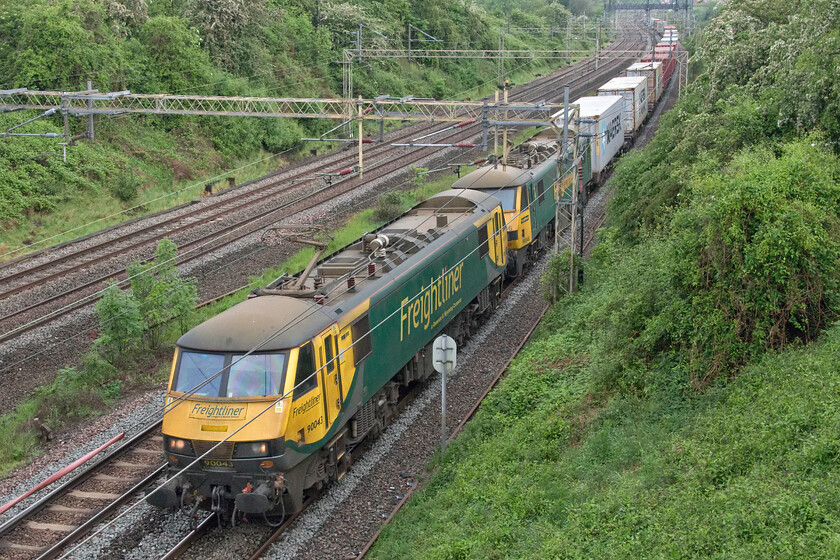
(371, 269)
(380, 242)
(464, 123)
(346, 171)
(367, 140)
(464, 145)
(351, 282)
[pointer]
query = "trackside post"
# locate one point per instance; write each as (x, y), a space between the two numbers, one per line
(444, 359)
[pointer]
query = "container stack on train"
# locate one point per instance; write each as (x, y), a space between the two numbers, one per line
(666, 53)
(670, 35)
(635, 93)
(653, 72)
(601, 128)
(658, 25)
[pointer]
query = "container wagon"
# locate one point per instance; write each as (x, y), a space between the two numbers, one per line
(634, 91)
(653, 72)
(601, 125)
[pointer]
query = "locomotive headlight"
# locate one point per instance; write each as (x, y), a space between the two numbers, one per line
(248, 449)
(178, 445)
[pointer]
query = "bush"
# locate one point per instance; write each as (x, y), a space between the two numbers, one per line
(390, 205)
(160, 294)
(120, 322)
(554, 282)
(157, 295)
(77, 393)
(125, 186)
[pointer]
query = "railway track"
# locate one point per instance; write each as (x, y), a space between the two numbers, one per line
(495, 381)
(47, 528)
(280, 200)
(66, 514)
(183, 546)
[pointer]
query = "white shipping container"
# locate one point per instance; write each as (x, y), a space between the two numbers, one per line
(653, 72)
(634, 91)
(601, 121)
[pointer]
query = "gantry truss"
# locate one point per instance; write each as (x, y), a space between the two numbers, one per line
(464, 53)
(349, 56)
(380, 108)
(648, 6)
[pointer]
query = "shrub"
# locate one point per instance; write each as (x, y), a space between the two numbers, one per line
(390, 205)
(160, 293)
(125, 186)
(121, 324)
(157, 295)
(554, 281)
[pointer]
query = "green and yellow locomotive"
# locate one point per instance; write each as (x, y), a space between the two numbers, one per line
(265, 399)
(526, 182)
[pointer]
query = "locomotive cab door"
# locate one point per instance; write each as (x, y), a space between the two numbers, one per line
(499, 237)
(526, 214)
(330, 368)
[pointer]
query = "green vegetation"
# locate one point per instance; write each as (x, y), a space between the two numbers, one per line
(145, 321)
(525, 13)
(134, 324)
(684, 403)
(549, 469)
(231, 47)
(136, 319)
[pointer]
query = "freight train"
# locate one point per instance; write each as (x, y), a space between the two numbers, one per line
(266, 400)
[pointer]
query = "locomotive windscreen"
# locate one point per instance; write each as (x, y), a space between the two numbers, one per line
(507, 197)
(195, 369)
(255, 375)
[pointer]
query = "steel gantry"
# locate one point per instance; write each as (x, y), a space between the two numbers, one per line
(350, 56)
(383, 108)
(379, 108)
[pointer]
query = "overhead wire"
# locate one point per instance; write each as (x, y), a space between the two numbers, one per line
(97, 293)
(147, 202)
(168, 195)
(188, 251)
(102, 291)
(533, 201)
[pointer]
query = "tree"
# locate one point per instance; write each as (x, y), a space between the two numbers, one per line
(160, 293)
(121, 324)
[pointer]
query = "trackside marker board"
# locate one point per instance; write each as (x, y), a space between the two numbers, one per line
(444, 358)
(444, 352)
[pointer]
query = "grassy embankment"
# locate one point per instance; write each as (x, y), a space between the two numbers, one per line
(685, 402)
